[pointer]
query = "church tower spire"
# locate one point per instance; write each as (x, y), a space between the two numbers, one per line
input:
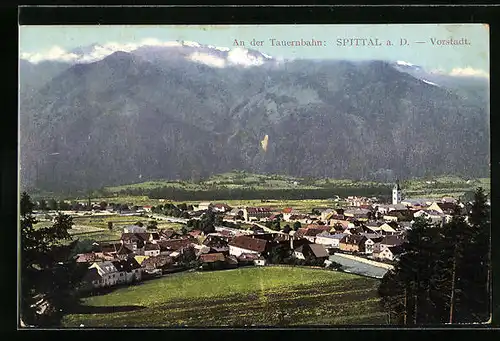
(396, 193)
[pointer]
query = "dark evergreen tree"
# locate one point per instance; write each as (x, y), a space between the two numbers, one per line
(407, 292)
(444, 274)
(48, 273)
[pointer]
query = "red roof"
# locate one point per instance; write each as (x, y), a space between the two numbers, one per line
(287, 210)
(248, 243)
(212, 257)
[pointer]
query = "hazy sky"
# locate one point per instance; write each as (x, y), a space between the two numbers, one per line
(464, 58)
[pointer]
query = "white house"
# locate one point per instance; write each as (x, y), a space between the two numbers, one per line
(246, 244)
(329, 240)
(107, 272)
(288, 213)
(369, 244)
(151, 250)
(434, 216)
(315, 250)
(256, 213)
(129, 270)
(390, 253)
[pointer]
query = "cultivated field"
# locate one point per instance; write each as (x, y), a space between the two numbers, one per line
(270, 296)
(96, 228)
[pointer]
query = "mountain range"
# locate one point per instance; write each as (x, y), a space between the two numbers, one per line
(186, 111)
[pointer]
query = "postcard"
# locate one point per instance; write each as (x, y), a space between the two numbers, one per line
(187, 176)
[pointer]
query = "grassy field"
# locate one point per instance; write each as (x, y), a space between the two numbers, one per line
(267, 296)
(96, 228)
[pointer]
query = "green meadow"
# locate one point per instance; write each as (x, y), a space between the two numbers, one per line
(267, 296)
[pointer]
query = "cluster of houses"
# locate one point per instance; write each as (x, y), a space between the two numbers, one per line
(365, 228)
(359, 209)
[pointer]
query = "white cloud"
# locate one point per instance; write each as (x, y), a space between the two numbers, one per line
(157, 42)
(98, 52)
(55, 53)
(469, 72)
(171, 43)
(238, 56)
(207, 59)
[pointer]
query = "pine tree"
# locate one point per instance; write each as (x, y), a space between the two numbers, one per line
(406, 292)
(476, 274)
(444, 274)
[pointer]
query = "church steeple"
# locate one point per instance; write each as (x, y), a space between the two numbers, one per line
(396, 193)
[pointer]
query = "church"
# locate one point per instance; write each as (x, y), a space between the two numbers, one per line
(396, 194)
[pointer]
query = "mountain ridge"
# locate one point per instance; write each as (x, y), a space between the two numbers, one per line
(126, 116)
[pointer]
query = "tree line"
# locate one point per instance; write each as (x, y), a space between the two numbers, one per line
(444, 274)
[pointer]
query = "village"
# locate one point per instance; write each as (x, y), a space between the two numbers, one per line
(364, 231)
